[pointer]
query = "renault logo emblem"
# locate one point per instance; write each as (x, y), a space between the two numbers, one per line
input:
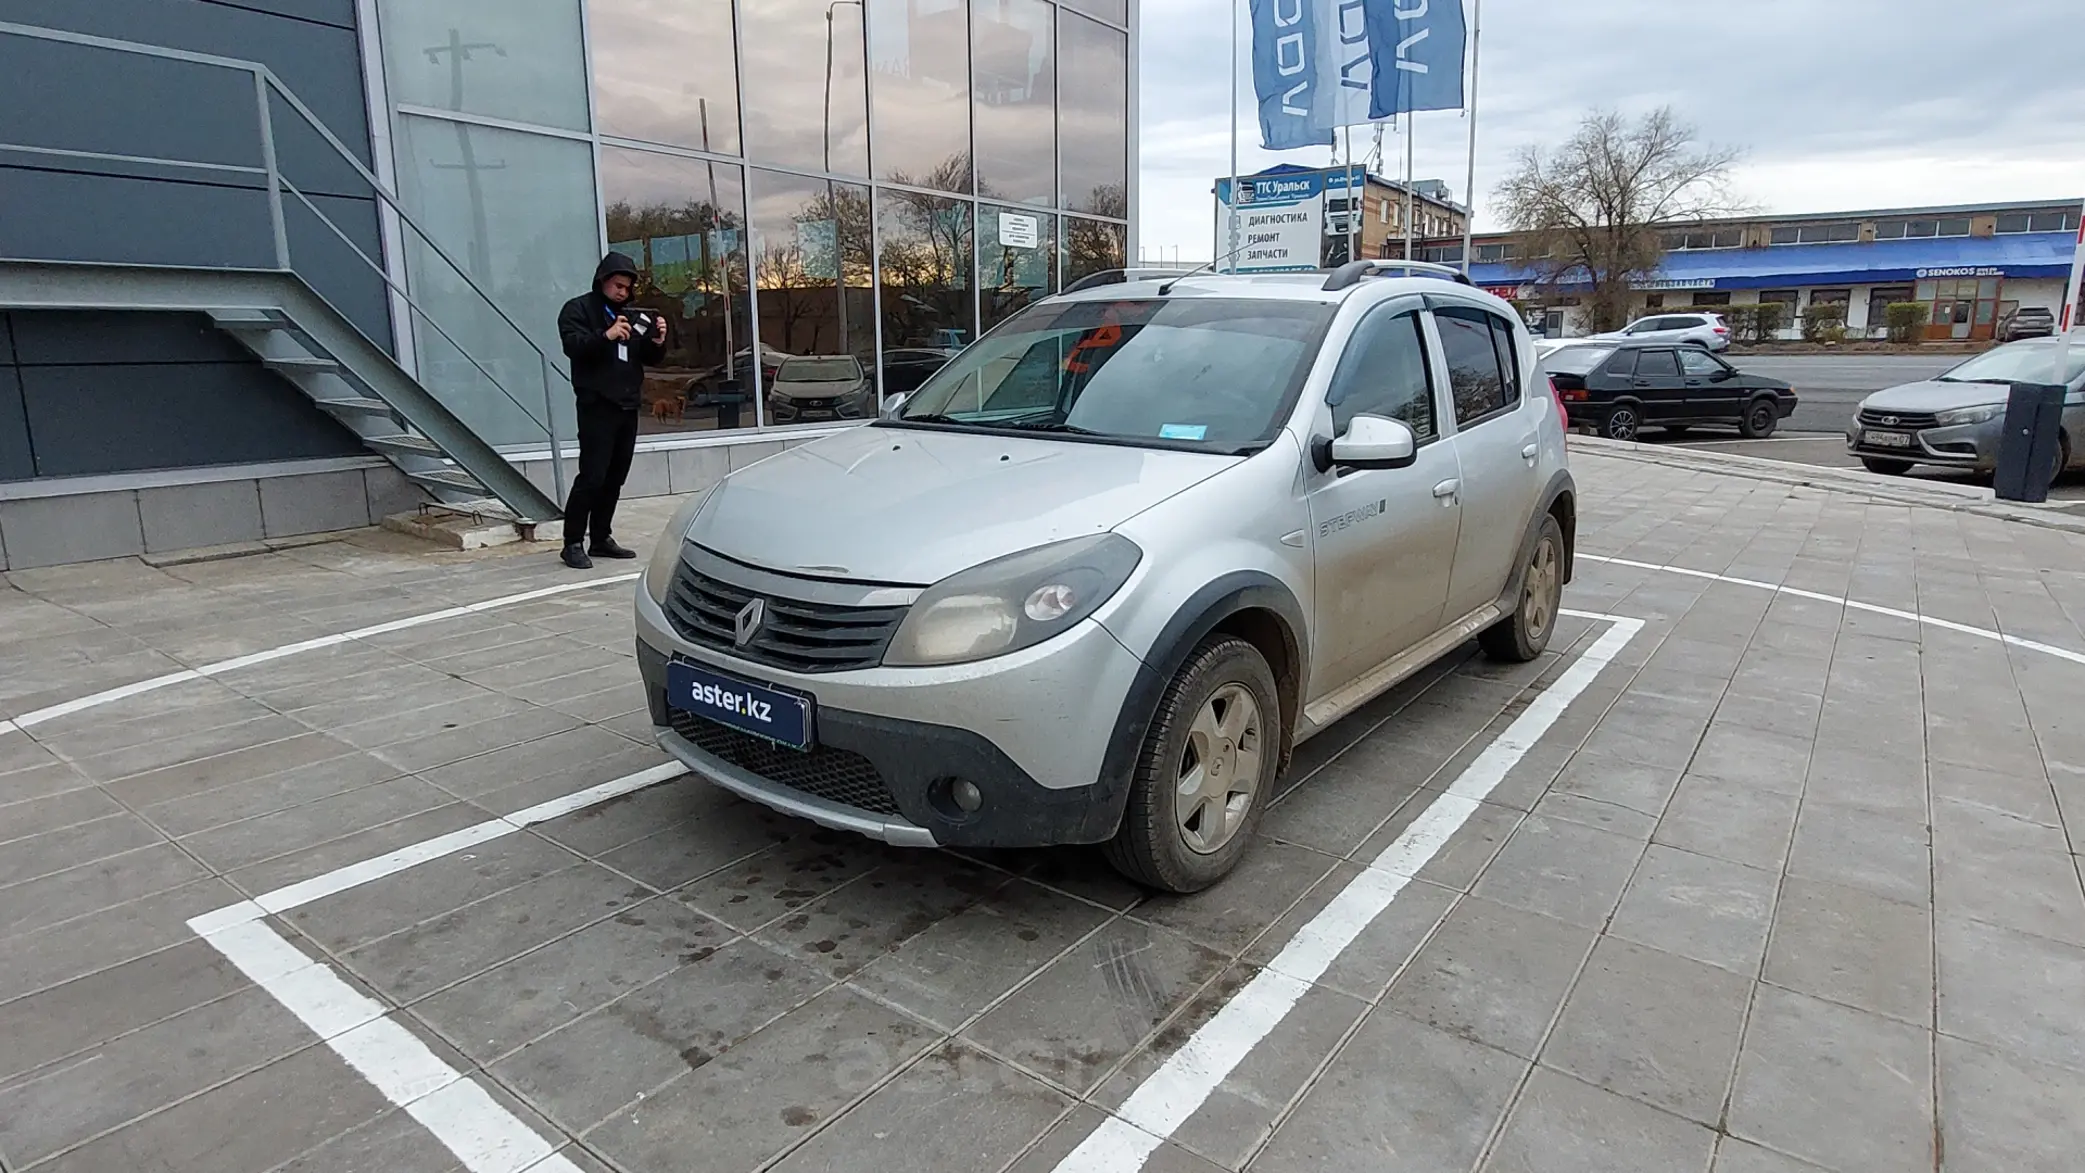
(747, 625)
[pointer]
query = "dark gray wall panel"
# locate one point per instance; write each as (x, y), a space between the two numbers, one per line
(340, 275)
(15, 461)
(47, 338)
(85, 98)
(55, 215)
(103, 419)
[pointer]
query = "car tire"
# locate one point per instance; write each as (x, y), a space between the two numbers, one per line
(1762, 416)
(2063, 460)
(1220, 718)
(1524, 635)
(1622, 422)
(1888, 468)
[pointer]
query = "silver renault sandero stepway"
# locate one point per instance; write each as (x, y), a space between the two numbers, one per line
(1096, 579)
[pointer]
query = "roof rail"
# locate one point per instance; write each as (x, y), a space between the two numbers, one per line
(1352, 272)
(1122, 277)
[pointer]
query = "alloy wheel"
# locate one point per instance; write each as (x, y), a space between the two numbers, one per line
(1621, 424)
(1539, 599)
(1219, 769)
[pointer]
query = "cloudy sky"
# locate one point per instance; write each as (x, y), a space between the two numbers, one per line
(1838, 104)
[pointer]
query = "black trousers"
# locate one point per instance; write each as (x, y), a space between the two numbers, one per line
(607, 440)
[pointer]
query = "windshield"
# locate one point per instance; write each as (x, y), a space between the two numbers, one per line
(2032, 362)
(1209, 372)
(819, 370)
(1575, 360)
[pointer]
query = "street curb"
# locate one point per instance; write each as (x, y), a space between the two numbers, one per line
(1873, 486)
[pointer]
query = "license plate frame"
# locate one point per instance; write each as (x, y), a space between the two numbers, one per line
(1886, 439)
(777, 715)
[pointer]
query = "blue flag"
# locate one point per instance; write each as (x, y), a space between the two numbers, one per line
(1416, 49)
(1285, 75)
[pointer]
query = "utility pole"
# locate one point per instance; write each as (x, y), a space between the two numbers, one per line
(460, 51)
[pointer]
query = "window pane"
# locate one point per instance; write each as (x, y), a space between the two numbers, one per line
(1016, 260)
(1016, 100)
(2040, 222)
(920, 102)
(1509, 361)
(1112, 11)
(1784, 236)
(1092, 247)
(2016, 222)
(1473, 364)
(1384, 373)
(682, 221)
(1889, 230)
(527, 233)
(811, 242)
(1624, 364)
(927, 269)
(1657, 364)
(1093, 69)
(1921, 227)
(1698, 364)
(663, 72)
(1954, 227)
(514, 59)
(806, 95)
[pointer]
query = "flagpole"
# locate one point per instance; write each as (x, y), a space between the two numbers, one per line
(1469, 218)
(1230, 206)
(1410, 121)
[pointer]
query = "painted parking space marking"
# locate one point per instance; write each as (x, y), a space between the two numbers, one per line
(483, 1134)
(1849, 604)
(1173, 1093)
(269, 655)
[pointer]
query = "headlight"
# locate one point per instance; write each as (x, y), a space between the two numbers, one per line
(666, 556)
(1970, 415)
(1013, 602)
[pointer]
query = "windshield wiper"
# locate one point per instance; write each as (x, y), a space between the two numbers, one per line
(1057, 426)
(933, 418)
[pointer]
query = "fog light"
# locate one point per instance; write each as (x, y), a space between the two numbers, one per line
(965, 795)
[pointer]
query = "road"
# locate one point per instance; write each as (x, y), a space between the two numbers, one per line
(1831, 386)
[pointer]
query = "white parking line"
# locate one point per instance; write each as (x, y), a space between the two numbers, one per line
(1850, 604)
(484, 1135)
(96, 700)
(1170, 1095)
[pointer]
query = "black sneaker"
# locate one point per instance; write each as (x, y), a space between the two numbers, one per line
(575, 557)
(606, 548)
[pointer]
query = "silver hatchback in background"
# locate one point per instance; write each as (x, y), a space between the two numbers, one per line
(1097, 578)
(1957, 419)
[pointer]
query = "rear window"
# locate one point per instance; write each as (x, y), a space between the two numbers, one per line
(1576, 360)
(1214, 372)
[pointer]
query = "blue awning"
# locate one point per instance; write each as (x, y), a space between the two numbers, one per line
(2030, 254)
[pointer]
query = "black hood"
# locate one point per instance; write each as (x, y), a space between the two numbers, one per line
(612, 264)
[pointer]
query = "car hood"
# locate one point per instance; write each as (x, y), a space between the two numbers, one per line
(1933, 395)
(903, 505)
(824, 389)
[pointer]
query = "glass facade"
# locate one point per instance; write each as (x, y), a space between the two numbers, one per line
(876, 179)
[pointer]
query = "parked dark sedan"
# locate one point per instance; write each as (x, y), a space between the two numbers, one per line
(1620, 388)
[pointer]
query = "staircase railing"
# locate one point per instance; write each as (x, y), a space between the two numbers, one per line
(293, 214)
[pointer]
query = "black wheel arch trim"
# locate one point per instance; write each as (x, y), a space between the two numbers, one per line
(1205, 611)
(1560, 487)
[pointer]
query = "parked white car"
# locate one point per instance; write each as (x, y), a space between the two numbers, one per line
(1690, 329)
(1102, 572)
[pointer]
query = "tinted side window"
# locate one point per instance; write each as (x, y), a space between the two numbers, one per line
(1509, 358)
(1384, 373)
(1698, 364)
(1479, 387)
(1623, 364)
(1657, 364)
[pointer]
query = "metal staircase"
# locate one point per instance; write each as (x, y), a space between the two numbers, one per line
(293, 328)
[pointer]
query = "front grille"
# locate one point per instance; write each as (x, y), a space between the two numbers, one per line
(836, 775)
(1910, 420)
(797, 634)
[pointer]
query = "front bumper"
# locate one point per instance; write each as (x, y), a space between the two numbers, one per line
(1969, 446)
(1032, 731)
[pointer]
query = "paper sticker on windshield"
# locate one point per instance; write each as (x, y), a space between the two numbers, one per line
(1183, 431)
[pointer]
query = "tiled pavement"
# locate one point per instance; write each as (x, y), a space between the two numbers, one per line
(1790, 887)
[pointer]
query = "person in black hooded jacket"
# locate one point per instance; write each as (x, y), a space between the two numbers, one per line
(609, 347)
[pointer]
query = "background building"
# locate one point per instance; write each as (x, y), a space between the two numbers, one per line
(875, 178)
(1972, 265)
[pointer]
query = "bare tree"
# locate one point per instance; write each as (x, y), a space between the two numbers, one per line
(1592, 209)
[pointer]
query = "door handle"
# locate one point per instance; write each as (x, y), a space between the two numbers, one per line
(1446, 490)
(1530, 450)
(1643, 382)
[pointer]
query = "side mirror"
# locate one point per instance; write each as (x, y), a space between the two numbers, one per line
(892, 406)
(1371, 441)
(1720, 374)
